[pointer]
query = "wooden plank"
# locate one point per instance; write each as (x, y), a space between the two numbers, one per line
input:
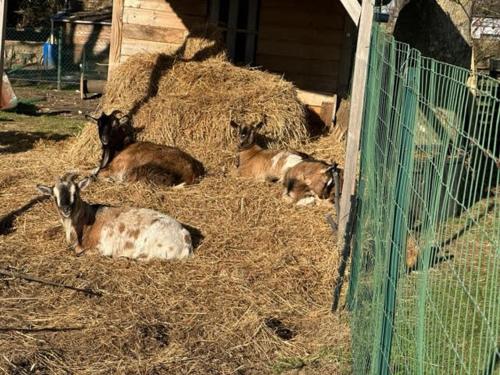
(99, 44)
(327, 111)
(298, 65)
(180, 7)
(154, 33)
(231, 25)
(313, 98)
(353, 9)
(77, 51)
(85, 29)
(132, 46)
(298, 18)
(253, 11)
(301, 50)
(345, 65)
(304, 6)
(213, 13)
(355, 120)
(306, 35)
(116, 35)
(158, 18)
(327, 84)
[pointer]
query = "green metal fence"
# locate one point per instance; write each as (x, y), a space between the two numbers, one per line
(425, 279)
(29, 58)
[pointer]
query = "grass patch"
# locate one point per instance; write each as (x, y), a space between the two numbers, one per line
(328, 358)
(12, 121)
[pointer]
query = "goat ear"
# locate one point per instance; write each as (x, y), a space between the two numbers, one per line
(89, 117)
(124, 119)
(45, 190)
(234, 124)
(83, 184)
(331, 168)
(259, 126)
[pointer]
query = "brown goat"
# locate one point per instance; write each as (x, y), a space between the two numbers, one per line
(258, 163)
(310, 180)
(126, 160)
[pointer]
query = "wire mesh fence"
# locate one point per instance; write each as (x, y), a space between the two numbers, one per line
(60, 55)
(425, 280)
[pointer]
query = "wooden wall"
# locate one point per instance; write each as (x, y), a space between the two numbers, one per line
(94, 38)
(304, 40)
(158, 25)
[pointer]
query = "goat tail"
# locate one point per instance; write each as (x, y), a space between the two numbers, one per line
(289, 185)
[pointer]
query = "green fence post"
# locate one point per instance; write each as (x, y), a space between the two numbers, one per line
(403, 182)
(59, 57)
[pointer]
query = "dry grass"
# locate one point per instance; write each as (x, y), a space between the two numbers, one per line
(190, 104)
(259, 258)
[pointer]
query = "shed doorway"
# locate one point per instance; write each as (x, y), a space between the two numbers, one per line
(238, 20)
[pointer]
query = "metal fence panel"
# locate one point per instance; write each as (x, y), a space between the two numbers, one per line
(42, 55)
(425, 283)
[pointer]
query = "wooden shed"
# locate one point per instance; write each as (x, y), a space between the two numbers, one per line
(309, 42)
(85, 33)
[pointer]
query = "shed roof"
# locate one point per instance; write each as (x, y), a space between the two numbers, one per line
(99, 16)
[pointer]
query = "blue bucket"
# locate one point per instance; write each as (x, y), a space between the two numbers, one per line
(49, 55)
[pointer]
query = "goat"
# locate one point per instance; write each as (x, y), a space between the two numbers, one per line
(135, 233)
(123, 159)
(310, 180)
(258, 163)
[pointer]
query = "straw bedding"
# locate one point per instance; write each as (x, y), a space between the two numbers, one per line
(258, 259)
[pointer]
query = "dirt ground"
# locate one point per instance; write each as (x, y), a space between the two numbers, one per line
(255, 298)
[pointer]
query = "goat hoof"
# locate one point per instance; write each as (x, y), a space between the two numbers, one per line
(79, 251)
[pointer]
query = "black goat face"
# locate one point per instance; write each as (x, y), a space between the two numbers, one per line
(246, 133)
(113, 134)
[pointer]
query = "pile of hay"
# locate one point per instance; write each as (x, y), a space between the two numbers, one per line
(189, 104)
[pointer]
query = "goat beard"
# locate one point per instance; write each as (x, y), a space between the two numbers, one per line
(106, 156)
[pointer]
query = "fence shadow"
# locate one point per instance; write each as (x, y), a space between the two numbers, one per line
(13, 142)
(7, 220)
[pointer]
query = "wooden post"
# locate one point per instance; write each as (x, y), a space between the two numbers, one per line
(355, 116)
(353, 9)
(115, 48)
(3, 22)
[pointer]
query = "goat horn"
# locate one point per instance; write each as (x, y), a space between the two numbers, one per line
(115, 112)
(69, 177)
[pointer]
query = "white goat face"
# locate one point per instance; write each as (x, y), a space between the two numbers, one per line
(66, 193)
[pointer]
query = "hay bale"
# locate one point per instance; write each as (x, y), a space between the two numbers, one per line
(190, 104)
(204, 43)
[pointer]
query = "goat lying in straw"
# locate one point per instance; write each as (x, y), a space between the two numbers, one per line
(311, 180)
(126, 160)
(258, 163)
(135, 233)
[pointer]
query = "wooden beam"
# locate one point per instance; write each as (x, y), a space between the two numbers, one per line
(116, 35)
(3, 22)
(353, 8)
(355, 117)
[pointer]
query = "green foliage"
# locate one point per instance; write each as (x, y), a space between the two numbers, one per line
(36, 13)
